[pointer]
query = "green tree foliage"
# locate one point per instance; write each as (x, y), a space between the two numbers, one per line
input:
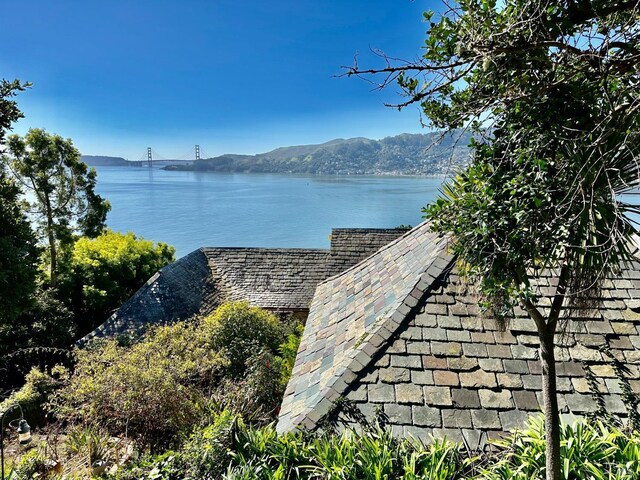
(100, 274)
(551, 89)
(239, 331)
(34, 394)
(9, 111)
(18, 255)
(46, 323)
(18, 250)
(62, 190)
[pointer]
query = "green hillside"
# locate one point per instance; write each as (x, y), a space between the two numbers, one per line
(405, 154)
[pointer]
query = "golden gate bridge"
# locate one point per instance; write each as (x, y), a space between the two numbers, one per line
(151, 157)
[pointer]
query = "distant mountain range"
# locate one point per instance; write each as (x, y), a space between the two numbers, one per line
(405, 154)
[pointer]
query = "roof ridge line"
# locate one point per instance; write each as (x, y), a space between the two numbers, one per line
(385, 247)
(140, 293)
(360, 358)
(269, 249)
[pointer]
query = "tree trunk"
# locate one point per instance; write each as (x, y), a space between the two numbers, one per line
(551, 414)
(53, 265)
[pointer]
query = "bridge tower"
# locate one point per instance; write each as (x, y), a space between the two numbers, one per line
(149, 157)
(197, 152)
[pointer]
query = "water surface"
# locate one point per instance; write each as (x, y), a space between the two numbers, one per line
(195, 209)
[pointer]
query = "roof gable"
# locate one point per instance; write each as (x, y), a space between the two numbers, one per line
(435, 365)
(352, 315)
(273, 278)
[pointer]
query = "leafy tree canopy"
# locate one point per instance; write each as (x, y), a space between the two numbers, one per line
(550, 88)
(18, 253)
(102, 273)
(9, 111)
(18, 249)
(62, 187)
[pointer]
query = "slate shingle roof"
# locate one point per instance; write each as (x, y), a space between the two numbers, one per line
(273, 278)
(430, 360)
(277, 279)
(351, 317)
(176, 291)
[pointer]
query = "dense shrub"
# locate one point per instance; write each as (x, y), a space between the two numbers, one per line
(45, 322)
(34, 395)
(180, 376)
(152, 390)
(164, 466)
(374, 454)
(231, 450)
(207, 452)
(15, 366)
(100, 274)
(205, 455)
(591, 451)
(238, 331)
(257, 396)
(31, 465)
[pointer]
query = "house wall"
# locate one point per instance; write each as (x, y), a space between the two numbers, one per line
(450, 372)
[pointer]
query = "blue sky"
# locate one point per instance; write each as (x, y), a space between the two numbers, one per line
(233, 76)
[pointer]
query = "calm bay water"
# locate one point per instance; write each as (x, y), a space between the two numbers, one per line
(196, 209)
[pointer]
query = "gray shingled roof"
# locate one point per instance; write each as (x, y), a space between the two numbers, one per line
(402, 333)
(277, 279)
(176, 291)
(351, 317)
(272, 278)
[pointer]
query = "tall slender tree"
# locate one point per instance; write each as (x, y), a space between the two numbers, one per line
(551, 89)
(62, 196)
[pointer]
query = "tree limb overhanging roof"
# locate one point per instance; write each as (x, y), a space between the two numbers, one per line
(405, 311)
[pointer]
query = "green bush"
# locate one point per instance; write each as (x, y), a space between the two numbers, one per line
(375, 454)
(207, 452)
(238, 331)
(229, 449)
(152, 391)
(88, 440)
(256, 397)
(31, 465)
(34, 395)
(100, 274)
(177, 376)
(45, 323)
(589, 451)
(165, 466)
(288, 351)
(205, 455)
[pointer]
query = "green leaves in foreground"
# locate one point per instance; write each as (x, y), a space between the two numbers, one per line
(375, 455)
(229, 449)
(589, 451)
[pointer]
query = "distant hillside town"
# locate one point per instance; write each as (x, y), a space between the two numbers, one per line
(404, 154)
